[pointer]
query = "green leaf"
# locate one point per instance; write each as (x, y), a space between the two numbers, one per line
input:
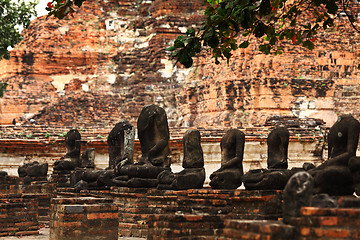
(245, 19)
(234, 46)
(78, 2)
(331, 6)
(209, 11)
(265, 7)
(191, 32)
(260, 30)
(221, 11)
(172, 48)
(185, 59)
(227, 53)
(244, 44)
(179, 42)
(308, 44)
(265, 48)
(197, 45)
(213, 42)
(212, 2)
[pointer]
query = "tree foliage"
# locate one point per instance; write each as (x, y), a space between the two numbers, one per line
(272, 21)
(12, 15)
(61, 8)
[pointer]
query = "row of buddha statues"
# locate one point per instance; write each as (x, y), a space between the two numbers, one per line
(339, 175)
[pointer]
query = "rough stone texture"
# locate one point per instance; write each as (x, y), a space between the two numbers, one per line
(121, 143)
(297, 193)
(193, 174)
(35, 188)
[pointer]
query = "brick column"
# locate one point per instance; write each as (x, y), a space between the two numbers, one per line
(83, 218)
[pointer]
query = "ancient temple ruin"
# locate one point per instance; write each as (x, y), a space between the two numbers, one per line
(95, 72)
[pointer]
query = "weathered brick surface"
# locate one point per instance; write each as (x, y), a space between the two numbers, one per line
(83, 218)
(9, 184)
(18, 215)
(328, 223)
(186, 226)
(258, 229)
(137, 208)
(108, 61)
(104, 64)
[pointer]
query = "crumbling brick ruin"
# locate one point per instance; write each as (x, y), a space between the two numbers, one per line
(109, 60)
(106, 63)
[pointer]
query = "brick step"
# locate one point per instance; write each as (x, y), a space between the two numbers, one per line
(258, 229)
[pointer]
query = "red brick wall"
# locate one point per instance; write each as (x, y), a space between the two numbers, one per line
(19, 215)
(83, 218)
(110, 72)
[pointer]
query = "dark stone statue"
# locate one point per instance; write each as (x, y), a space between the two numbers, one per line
(121, 148)
(277, 174)
(96, 179)
(121, 143)
(193, 175)
(153, 133)
(266, 179)
(228, 176)
(323, 200)
(334, 176)
(88, 158)
(297, 194)
(278, 142)
(354, 166)
(71, 159)
(33, 169)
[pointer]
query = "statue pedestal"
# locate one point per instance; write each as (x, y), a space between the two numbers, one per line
(140, 208)
(83, 218)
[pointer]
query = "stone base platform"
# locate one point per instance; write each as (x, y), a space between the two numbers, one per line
(162, 226)
(141, 208)
(259, 229)
(328, 223)
(83, 218)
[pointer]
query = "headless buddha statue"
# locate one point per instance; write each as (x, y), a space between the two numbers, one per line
(334, 176)
(71, 159)
(277, 175)
(228, 176)
(193, 175)
(153, 133)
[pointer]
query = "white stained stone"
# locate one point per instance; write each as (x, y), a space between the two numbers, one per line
(183, 29)
(64, 29)
(312, 105)
(111, 78)
(85, 87)
(165, 26)
(141, 45)
(168, 71)
(59, 81)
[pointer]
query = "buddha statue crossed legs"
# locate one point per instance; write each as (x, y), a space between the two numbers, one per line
(193, 175)
(228, 176)
(153, 133)
(334, 176)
